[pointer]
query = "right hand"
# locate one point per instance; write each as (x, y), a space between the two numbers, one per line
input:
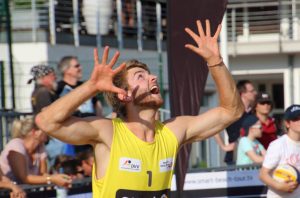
(17, 192)
(102, 75)
(288, 186)
(61, 180)
(229, 147)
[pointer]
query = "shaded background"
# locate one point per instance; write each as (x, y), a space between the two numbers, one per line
(187, 71)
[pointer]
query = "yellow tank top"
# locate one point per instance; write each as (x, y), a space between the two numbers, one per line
(137, 168)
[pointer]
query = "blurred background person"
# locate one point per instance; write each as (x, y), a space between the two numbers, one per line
(23, 159)
(284, 150)
(262, 109)
(248, 94)
(86, 159)
(250, 151)
(71, 71)
(16, 191)
(45, 86)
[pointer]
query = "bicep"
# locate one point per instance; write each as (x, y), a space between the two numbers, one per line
(76, 131)
(208, 124)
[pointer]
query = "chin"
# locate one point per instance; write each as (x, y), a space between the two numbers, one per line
(153, 103)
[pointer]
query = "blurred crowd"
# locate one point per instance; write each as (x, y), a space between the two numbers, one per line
(32, 157)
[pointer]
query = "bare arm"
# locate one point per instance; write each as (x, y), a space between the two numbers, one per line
(7, 183)
(18, 165)
(265, 176)
(254, 157)
(224, 147)
(56, 119)
(230, 107)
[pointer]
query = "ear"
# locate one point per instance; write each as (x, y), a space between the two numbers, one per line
(124, 98)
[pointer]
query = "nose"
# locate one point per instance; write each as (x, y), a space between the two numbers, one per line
(153, 78)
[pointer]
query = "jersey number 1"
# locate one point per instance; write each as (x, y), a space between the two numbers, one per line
(149, 178)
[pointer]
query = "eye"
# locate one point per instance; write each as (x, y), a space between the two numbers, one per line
(140, 76)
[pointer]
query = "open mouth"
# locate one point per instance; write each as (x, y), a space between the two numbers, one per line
(154, 90)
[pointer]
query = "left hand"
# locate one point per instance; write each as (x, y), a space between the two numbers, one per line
(208, 46)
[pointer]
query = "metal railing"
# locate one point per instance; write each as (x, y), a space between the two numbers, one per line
(263, 20)
(140, 20)
(137, 19)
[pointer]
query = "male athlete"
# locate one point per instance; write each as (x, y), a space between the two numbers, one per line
(135, 153)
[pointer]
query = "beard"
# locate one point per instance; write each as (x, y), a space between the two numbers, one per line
(148, 101)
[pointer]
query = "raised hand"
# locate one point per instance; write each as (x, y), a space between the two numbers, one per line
(102, 75)
(207, 45)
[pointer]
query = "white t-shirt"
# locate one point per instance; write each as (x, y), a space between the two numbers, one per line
(284, 150)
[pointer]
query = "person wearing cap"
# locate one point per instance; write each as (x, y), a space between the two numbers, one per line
(45, 84)
(250, 151)
(284, 150)
(262, 109)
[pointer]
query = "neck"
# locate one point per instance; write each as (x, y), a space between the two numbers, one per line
(262, 117)
(251, 137)
(142, 123)
(247, 104)
(70, 80)
(294, 135)
(30, 144)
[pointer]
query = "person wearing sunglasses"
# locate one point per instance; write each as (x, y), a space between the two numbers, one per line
(262, 109)
(284, 150)
(250, 150)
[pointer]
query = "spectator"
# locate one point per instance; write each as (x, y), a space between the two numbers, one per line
(248, 94)
(23, 159)
(250, 151)
(128, 13)
(45, 85)
(262, 109)
(71, 71)
(284, 150)
(16, 191)
(68, 165)
(58, 161)
(87, 160)
(73, 168)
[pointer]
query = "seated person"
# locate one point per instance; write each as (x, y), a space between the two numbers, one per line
(250, 151)
(23, 159)
(87, 159)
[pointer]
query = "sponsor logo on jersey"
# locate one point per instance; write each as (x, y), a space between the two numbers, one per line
(166, 164)
(130, 164)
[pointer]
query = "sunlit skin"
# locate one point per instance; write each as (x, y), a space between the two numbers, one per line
(142, 100)
(144, 88)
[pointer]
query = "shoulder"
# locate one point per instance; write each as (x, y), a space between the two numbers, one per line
(60, 86)
(16, 144)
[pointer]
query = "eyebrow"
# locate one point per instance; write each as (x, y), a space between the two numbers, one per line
(139, 71)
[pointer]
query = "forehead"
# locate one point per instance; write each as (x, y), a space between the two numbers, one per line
(135, 70)
(249, 86)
